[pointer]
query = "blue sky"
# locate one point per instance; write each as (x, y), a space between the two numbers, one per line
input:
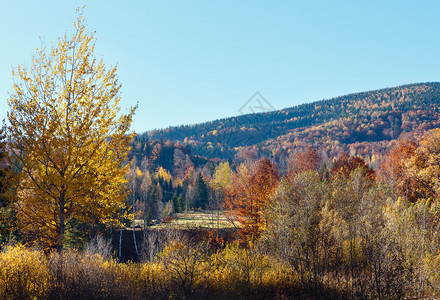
(187, 62)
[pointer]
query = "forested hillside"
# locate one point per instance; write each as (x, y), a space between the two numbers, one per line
(361, 123)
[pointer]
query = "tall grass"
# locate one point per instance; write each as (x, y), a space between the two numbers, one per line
(24, 273)
(182, 271)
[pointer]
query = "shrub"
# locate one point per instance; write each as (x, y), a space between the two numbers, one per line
(24, 273)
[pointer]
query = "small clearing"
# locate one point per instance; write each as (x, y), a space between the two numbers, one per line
(209, 219)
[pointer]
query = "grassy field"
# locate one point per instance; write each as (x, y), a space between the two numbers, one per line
(195, 219)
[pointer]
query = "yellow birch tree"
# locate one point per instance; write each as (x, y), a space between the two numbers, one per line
(70, 139)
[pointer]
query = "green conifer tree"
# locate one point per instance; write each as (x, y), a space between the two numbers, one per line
(200, 193)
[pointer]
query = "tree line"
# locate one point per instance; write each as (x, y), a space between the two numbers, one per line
(370, 117)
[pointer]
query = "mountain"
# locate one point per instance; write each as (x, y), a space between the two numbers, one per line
(364, 123)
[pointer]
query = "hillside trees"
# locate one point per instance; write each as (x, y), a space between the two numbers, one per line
(345, 165)
(394, 171)
(343, 232)
(220, 182)
(424, 166)
(70, 139)
(371, 119)
(349, 195)
(294, 225)
(249, 195)
(307, 160)
(413, 169)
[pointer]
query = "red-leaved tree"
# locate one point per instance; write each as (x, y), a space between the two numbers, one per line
(249, 195)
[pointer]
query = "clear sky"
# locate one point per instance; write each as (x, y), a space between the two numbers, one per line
(187, 62)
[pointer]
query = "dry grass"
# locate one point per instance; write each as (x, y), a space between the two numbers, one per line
(206, 219)
(183, 271)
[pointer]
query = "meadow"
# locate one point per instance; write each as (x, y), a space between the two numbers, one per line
(206, 219)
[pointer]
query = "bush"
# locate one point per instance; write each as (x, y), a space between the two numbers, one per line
(24, 273)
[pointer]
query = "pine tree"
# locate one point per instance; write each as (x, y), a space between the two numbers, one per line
(178, 203)
(200, 193)
(154, 203)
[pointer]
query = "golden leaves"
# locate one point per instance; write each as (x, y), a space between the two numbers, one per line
(65, 121)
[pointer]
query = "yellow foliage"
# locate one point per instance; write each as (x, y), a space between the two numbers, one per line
(230, 273)
(139, 173)
(70, 139)
(23, 272)
(164, 174)
(222, 176)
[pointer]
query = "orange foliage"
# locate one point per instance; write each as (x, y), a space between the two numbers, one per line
(307, 160)
(249, 195)
(423, 168)
(344, 165)
(393, 169)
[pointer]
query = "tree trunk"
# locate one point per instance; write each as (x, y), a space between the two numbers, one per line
(145, 216)
(61, 226)
(133, 227)
(120, 235)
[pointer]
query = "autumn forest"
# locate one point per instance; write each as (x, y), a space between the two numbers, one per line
(335, 199)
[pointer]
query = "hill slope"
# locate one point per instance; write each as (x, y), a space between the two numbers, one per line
(367, 120)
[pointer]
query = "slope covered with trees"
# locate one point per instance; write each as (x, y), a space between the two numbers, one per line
(363, 123)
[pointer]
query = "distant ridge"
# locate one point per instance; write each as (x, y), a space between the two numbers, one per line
(364, 123)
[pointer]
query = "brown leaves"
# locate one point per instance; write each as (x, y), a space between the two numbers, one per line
(302, 161)
(249, 195)
(414, 170)
(344, 165)
(394, 169)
